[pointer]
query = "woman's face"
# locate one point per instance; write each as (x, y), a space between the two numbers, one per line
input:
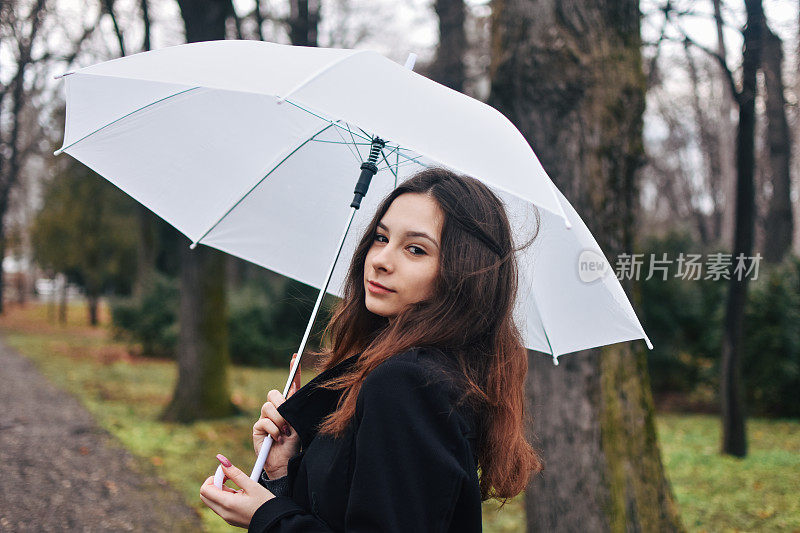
(403, 261)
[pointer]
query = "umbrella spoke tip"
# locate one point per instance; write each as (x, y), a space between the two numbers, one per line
(193, 246)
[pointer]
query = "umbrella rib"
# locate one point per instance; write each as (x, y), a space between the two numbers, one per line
(364, 132)
(393, 150)
(544, 330)
(298, 106)
(405, 164)
(390, 168)
(259, 182)
(342, 142)
(412, 159)
(60, 150)
(354, 142)
(353, 151)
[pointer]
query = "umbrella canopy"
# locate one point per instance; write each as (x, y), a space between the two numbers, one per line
(253, 148)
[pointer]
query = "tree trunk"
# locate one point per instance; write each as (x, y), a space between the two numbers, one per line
(448, 67)
(2, 257)
(779, 223)
(145, 250)
(202, 389)
(569, 75)
(734, 437)
(303, 19)
(796, 133)
(62, 303)
(93, 301)
(203, 358)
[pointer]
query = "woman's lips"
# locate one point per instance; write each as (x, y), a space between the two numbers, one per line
(377, 288)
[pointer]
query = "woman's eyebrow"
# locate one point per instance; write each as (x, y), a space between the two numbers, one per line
(413, 234)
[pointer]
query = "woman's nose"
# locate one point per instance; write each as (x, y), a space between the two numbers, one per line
(383, 259)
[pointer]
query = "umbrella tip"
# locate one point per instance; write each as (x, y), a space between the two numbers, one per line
(411, 60)
(555, 360)
(193, 246)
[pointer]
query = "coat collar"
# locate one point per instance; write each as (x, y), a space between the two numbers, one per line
(305, 409)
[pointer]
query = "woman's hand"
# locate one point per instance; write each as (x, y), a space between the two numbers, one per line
(286, 441)
(236, 507)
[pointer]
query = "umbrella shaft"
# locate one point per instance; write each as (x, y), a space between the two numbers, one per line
(319, 301)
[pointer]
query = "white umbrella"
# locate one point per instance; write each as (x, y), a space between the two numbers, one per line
(252, 148)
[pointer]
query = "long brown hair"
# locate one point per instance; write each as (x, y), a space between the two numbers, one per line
(469, 316)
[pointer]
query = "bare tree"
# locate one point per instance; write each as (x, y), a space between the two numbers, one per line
(778, 223)
(21, 29)
(734, 436)
(725, 134)
(709, 136)
(734, 439)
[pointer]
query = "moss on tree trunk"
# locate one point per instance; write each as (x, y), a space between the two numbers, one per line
(569, 75)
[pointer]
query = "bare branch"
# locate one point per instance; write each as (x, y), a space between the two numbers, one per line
(87, 32)
(109, 7)
(259, 20)
(237, 21)
(146, 21)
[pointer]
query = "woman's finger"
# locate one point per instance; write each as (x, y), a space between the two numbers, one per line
(241, 479)
(269, 411)
(273, 413)
(265, 425)
(296, 381)
(209, 484)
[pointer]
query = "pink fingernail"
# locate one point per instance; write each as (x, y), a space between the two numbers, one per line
(222, 459)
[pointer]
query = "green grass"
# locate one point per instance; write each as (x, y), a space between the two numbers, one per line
(126, 395)
(720, 493)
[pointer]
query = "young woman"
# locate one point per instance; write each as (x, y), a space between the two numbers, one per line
(421, 384)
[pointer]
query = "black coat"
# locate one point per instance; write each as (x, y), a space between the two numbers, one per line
(406, 462)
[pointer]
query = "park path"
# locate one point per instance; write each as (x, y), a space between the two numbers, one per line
(61, 472)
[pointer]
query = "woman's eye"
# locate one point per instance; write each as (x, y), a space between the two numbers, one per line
(381, 238)
(416, 250)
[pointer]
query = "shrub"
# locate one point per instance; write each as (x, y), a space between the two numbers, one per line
(771, 358)
(151, 320)
(267, 321)
(683, 318)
